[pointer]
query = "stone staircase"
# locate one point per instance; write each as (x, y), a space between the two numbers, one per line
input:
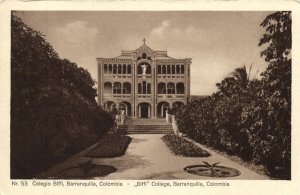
(146, 126)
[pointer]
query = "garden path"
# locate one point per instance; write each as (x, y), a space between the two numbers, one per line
(147, 157)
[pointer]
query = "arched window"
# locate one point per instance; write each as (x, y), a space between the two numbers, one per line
(117, 89)
(161, 88)
(126, 88)
(180, 88)
(171, 88)
(107, 88)
(162, 108)
(144, 56)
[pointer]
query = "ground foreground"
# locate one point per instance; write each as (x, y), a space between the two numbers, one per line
(148, 157)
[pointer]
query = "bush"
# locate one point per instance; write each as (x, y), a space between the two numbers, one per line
(111, 145)
(180, 146)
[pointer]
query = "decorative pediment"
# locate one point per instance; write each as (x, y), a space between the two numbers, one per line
(144, 51)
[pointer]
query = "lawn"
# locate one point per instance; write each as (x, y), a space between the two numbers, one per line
(180, 146)
(111, 145)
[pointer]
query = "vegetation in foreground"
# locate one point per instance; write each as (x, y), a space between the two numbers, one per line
(53, 109)
(251, 118)
(181, 146)
(110, 145)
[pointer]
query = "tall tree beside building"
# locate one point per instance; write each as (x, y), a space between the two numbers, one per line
(53, 109)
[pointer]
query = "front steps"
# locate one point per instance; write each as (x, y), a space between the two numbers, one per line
(146, 126)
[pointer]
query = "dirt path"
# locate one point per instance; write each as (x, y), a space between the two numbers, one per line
(147, 157)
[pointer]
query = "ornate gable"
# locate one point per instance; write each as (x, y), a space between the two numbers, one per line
(144, 49)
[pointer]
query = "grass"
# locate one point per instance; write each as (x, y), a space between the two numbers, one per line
(111, 145)
(180, 146)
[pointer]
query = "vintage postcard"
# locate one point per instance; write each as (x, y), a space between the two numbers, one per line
(166, 97)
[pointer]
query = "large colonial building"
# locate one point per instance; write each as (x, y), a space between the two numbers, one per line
(143, 83)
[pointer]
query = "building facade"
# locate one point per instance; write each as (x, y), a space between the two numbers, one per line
(143, 83)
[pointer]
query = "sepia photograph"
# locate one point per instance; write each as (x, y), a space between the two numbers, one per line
(151, 95)
(139, 97)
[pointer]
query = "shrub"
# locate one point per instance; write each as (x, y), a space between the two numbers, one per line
(180, 146)
(251, 118)
(111, 145)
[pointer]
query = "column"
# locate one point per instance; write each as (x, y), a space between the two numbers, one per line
(166, 88)
(100, 88)
(187, 81)
(132, 110)
(134, 90)
(139, 107)
(149, 111)
(153, 93)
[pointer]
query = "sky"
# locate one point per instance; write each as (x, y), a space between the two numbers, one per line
(218, 42)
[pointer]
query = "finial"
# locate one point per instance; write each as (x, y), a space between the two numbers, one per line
(144, 40)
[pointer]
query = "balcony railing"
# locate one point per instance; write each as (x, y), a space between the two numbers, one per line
(117, 95)
(118, 76)
(162, 96)
(166, 96)
(169, 76)
(144, 95)
(141, 76)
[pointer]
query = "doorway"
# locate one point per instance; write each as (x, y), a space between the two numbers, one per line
(144, 110)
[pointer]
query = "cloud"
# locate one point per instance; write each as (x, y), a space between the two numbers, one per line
(77, 41)
(171, 36)
(166, 29)
(161, 30)
(78, 34)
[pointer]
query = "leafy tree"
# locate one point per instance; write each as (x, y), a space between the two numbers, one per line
(241, 76)
(53, 109)
(267, 120)
(251, 118)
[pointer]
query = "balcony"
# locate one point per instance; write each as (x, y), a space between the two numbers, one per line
(117, 95)
(147, 96)
(169, 76)
(170, 96)
(139, 76)
(117, 76)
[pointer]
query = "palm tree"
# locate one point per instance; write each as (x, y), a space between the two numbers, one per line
(241, 76)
